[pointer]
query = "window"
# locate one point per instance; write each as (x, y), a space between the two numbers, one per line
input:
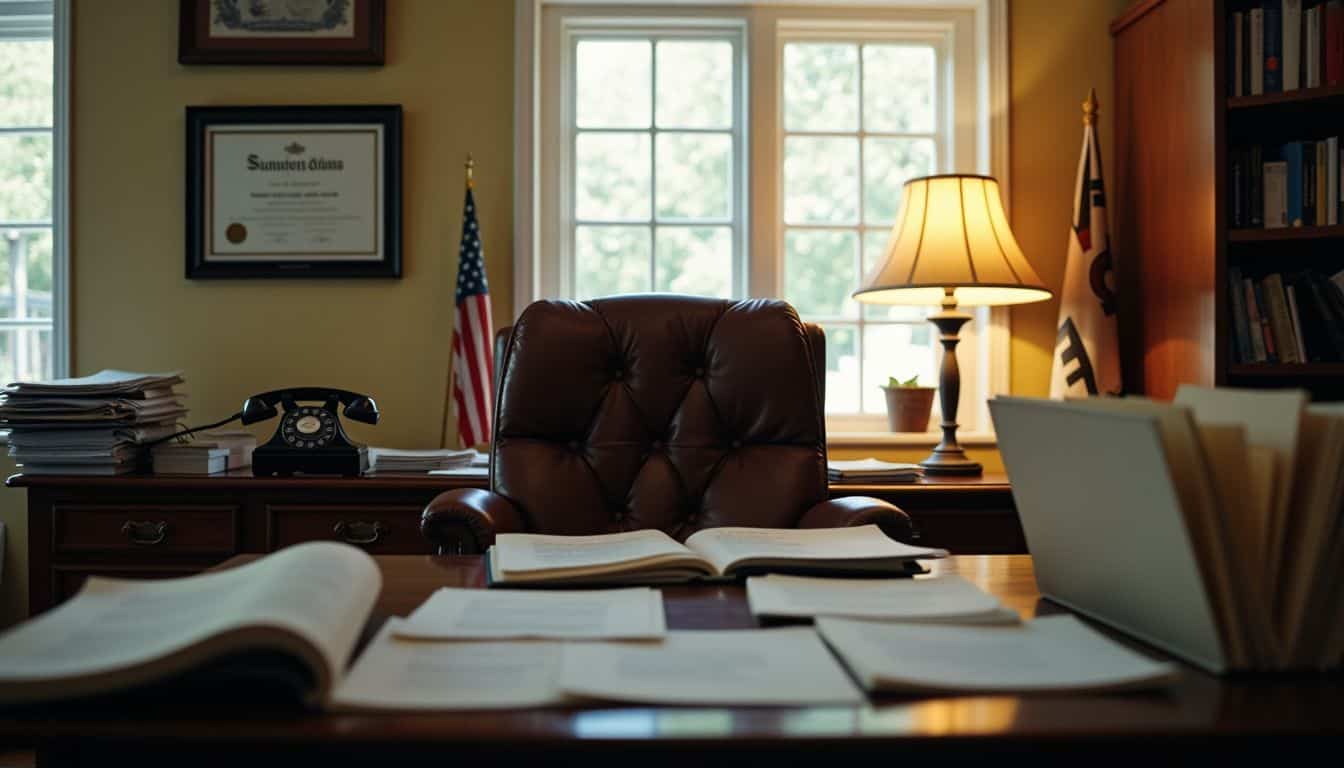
(32, 209)
(758, 151)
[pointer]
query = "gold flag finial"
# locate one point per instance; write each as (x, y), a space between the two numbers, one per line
(469, 165)
(1090, 108)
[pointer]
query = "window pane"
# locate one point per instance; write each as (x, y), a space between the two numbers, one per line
(819, 272)
(25, 354)
(25, 292)
(821, 178)
(695, 176)
(697, 260)
(695, 84)
(614, 80)
(901, 350)
(25, 177)
(842, 369)
(612, 177)
(887, 165)
(898, 88)
(25, 83)
(821, 87)
(610, 260)
(874, 248)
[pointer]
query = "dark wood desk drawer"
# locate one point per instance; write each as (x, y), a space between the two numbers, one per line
(378, 529)
(177, 529)
(65, 582)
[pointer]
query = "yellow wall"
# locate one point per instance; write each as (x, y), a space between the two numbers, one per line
(450, 64)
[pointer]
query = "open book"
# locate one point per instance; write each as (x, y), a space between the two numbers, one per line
(284, 625)
(1219, 515)
(653, 557)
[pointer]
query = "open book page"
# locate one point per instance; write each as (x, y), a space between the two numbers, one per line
(541, 556)
(1316, 505)
(934, 598)
(766, 667)
(627, 614)
(399, 674)
(1272, 419)
(1054, 653)
(730, 547)
(310, 599)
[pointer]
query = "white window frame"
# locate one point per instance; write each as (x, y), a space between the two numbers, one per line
(984, 351)
(558, 274)
(39, 19)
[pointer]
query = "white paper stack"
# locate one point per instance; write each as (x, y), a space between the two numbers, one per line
(91, 425)
(207, 454)
(872, 471)
(399, 460)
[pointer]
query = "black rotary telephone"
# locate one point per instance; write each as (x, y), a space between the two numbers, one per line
(310, 439)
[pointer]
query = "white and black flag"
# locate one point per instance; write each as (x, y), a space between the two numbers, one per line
(1087, 352)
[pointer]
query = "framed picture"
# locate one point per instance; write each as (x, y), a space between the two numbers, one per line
(294, 191)
(280, 31)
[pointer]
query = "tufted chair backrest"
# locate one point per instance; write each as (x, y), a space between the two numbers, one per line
(660, 411)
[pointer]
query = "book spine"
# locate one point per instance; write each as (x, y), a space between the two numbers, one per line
(1236, 57)
(1243, 350)
(1255, 188)
(1276, 191)
(1334, 42)
(1285, 345)
(1256, 64)
(1291, 293)
(1292, 44)
(1295, 182)
(1331, 315)
(1273, 46)
(1332, 180)
(1311, 35)
(1266, 331)
(1254, 329)
(1237, 187)
(1320, 173)
(1308, 183)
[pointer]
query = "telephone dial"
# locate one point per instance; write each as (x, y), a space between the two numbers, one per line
(310, 439)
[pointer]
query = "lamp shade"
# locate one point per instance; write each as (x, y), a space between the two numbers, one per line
(951, 233)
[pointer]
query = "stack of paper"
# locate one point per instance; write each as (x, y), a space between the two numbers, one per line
(399, 460)
(91, 425)
(871, 471)
(205, 453)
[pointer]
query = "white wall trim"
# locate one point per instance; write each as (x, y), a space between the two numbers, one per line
(63, 53)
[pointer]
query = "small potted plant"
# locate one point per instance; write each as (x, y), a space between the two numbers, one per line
(908, 404)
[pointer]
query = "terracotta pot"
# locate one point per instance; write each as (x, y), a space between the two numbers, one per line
(908, 408)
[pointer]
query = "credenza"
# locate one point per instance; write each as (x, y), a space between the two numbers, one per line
(157, 526)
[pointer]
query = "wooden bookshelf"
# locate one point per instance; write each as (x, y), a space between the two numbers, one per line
(1286, 370)
(1301, 96)
(1284, 233)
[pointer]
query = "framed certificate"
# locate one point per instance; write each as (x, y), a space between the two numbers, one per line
(281, 31)
(294, 191)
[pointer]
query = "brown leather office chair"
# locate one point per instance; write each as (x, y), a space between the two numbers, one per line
(655, 411)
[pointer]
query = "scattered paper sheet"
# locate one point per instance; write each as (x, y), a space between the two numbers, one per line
(936, 598)
(451, 613)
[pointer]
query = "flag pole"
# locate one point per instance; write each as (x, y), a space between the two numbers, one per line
(1089, 114)
(468, 166)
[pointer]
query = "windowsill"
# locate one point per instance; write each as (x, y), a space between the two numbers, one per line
(906, 439)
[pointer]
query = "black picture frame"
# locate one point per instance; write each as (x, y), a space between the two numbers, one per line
(259, 42)
(199, 119)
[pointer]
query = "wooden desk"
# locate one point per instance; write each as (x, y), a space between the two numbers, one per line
(1200, 716)
(81, 526)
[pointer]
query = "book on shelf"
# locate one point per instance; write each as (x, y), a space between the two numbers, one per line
(652, 557)
(1273, 47)
(1281, 324)
(1311, 47)
(1255, 62)
(1290, 293)
(1266, 323)
(1292, 44)
(1334, 42)
(1240, 320)
(1253, 326)
(1240, 498)
(1275, 194)
(1237, 59)
(1285, 45)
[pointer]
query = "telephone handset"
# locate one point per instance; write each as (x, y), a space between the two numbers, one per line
(310, 438)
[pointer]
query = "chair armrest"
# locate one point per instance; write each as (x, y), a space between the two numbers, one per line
(849, 511)
(464, 521)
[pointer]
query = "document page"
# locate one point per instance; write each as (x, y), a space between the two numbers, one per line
(720, 667)
(728, 546)
(626, 614)
(936, 598)
(398, 674)
(539, 554)
(1054, 653)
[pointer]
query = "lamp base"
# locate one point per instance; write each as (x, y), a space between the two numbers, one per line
(950, 461)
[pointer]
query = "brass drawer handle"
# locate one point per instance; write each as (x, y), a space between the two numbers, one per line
(360, 531)
(145, 532)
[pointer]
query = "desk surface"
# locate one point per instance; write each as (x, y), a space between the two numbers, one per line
(1245, 714)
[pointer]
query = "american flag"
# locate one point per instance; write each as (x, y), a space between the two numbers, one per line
(473, 356)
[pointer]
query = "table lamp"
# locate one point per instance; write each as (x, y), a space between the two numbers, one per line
(951, 246)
